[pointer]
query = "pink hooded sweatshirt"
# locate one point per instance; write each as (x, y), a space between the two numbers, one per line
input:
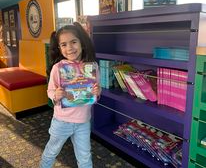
(79, 114)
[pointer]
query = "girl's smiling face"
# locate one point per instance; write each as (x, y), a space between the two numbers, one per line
(70, 46)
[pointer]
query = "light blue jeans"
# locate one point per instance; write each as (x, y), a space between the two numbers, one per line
(59, 132)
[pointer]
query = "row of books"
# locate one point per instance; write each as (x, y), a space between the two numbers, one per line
(165, 147)
(107, 79)
(166, 86)
(172, 88)
(136, 83)
(115, 73)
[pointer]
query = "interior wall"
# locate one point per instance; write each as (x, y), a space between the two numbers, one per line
(48, 25)
(35, 61)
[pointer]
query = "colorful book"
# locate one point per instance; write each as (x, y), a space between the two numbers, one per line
(182, 90)
(77, 79)
(144, 85)
(165, 147)
(106, 73)
(107, 6)
(118, 72)
(172, 88)
(134, 86)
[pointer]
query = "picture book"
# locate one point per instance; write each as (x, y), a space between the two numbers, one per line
(107, 6)
(118, 72)
(134, 86)
(77, 79)
(144, 85)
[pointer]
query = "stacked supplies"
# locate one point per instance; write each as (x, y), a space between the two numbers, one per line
(163, 146)
(172, 88)
(171, 53)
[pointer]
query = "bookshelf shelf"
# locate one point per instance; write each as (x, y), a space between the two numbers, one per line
(146, 31)
(106, 134)
(144, 59)
(146, 105)
(132, 37)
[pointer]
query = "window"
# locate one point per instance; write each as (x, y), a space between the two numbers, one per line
(90, 7)
(67, 9)
(137, 4)
(190, 1)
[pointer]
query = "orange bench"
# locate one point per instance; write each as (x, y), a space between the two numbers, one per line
(21, 89)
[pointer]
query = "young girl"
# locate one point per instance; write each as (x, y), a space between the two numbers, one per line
(70, 44)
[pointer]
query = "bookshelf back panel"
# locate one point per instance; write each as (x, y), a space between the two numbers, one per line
(138, 43)
(152, 119)
(122, 112)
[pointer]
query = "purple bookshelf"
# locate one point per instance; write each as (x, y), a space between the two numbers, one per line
(131, 37)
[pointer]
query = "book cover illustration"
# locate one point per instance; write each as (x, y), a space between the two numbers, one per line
(77, 80)
(118, 72)
(144, 85)
(107, 6)
(134, 86)
(163, 146)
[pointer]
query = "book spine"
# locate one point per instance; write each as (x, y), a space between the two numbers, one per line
(129, 89)
(119, 79)
(183, 90)
(102, 73)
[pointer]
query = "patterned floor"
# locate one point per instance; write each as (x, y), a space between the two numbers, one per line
(23, 140)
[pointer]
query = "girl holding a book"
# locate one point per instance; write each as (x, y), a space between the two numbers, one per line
(71, 47)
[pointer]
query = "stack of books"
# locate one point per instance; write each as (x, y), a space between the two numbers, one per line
(171, 53)
(165, 147)
(172, 88)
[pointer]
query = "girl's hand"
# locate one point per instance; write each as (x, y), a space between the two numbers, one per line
(59, 94)
(96, 90)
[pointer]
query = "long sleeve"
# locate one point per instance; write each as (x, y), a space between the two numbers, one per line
(54, 82)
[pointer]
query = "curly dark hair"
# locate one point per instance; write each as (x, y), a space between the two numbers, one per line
(88, 52)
